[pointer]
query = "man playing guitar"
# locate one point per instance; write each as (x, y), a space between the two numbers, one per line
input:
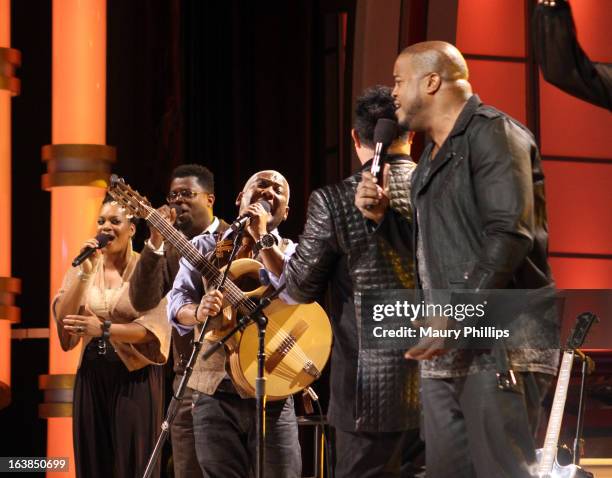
(223, 413)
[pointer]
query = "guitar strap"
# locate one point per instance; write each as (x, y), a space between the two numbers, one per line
(223, 249)
(531, 389)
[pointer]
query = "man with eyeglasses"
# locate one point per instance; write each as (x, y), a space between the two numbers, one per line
(190, 209)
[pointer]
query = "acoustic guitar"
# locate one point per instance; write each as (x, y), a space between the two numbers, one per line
(298, 337)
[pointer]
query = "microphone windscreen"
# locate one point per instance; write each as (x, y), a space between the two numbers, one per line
(385, 131)
(265, 204)
(102, 239)
(176, 208)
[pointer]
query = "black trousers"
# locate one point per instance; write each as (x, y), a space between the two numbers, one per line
(375, 455)
(473, 429)
(117, 415)
(224, 430)
(181, 433)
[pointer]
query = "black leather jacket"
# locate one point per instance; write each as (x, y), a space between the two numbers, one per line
(371, 390)
(482, 214)
(563, 62)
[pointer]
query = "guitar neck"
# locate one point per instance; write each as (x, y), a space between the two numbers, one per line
(549, 450)
(182, 244)
(187, 250)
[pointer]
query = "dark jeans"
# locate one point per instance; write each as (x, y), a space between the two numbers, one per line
(375, 455)
(181, 432)
(473, 429)
(224, 430)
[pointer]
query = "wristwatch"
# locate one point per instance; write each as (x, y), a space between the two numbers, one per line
(265, 242)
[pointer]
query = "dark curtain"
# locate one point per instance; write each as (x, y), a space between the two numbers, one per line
(247, 80)
(225, 84)
(144, 92)
(23, 432)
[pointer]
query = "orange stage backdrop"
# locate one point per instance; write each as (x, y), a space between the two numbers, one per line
(574, 135)
(79, 117)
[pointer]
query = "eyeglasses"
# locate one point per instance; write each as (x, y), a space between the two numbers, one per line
(183, 194)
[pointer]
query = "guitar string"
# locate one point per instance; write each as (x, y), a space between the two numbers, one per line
(284, 372)
(188, 250)
(552, 437)
(213, 274)
(295, 355)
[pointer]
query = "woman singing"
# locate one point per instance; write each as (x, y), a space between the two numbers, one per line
(118, 396)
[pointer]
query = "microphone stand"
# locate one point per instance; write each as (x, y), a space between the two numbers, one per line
(261, 320)
(177, 399)
(260, 382)
(587, 369)
(256, 316)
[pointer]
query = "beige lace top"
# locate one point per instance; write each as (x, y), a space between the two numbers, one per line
(115, 305)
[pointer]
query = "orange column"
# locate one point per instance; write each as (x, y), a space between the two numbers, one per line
(78, 164)
(9, 86)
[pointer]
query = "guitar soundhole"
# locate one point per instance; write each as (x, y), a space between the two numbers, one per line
(248, 282)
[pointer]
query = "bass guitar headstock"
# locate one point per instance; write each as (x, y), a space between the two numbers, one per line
(581, 329)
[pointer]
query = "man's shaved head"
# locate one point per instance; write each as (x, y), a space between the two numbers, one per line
(271, 187)
(431, 78)
(437, 57)
(270, 174)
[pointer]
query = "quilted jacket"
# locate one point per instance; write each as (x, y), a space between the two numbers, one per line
(371, 390)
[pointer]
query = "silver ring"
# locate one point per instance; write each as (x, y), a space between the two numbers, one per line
(81, 328)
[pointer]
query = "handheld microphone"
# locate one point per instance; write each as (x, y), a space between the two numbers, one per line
(384, 134)
(243, 219)
(88, 251)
